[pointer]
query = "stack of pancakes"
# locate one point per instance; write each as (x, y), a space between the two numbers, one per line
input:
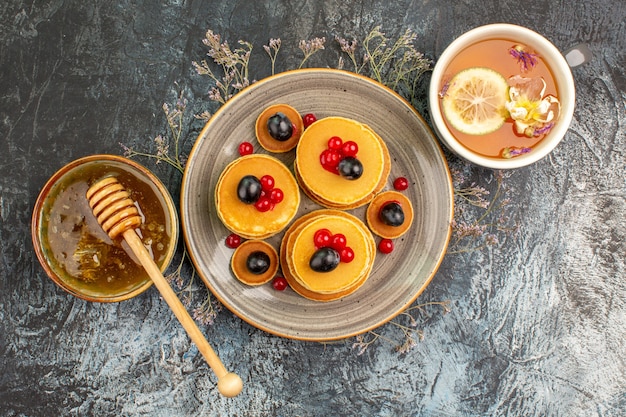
(244, 219)
(332, 190)
(298, 247)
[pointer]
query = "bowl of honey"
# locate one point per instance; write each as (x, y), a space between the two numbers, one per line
(501, 96)
(73, 249)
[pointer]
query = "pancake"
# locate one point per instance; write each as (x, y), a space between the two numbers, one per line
(297, 248)
(238, 262)
(265, 138)
(287, 247)
(244, 219)
(330, 189)
(380, 228)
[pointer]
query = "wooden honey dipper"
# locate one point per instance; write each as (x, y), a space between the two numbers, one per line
(117, 214)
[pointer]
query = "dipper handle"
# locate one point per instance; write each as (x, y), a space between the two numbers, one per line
(117, 214)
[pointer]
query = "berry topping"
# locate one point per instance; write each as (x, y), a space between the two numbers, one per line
(350, 168)
(350, 148)
(276, 195)
(401, 184)
(329, 159)
(279, 283)
(321, 238)
(263, 204)
(280, 127)
(258, 262)
(385, 246)
(391, 213)
(249, 189)
(338, 242)
(262, 193)
(324, 259)
(245, 148)
(335, 143)
(233, 240)
(346, 255)
(267, 183)
(324, 239)
(308, 119)
(340, 158)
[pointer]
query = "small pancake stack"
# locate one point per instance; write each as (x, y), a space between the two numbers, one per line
(298, 246)
(328, 188)
(245, 219)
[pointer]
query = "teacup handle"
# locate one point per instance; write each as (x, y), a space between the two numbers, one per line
(578, 55)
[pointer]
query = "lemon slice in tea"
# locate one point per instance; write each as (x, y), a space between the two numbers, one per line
(474, 101)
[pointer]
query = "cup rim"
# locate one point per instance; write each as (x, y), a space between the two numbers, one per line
(36, 224)
(560, 70)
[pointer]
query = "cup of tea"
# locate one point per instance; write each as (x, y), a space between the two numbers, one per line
(501, 96)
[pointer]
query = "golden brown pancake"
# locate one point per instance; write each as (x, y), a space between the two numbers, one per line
(297, 247)
(382, 229)
(263, 135)
(332, 190)
(244, 219)
(238, 262)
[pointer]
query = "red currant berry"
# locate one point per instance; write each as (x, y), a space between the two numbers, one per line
(321, 238)
(329, 159)
(279, 283)
(294, 129)
(338, 242)
(346, 255)
(233, 240)
(308, 119)
(263, 204)
(245, 148)
(267, 183)
(401, 184)
(385, 246)
(276, 195)
(335, 143)
(350, 148)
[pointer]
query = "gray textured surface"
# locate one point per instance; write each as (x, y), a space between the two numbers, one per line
(537, 324)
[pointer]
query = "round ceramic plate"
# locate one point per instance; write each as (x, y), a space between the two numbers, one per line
(397, 278)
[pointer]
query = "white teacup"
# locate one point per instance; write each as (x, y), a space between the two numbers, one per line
(550, 55)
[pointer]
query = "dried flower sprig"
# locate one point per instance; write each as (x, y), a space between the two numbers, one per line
(272, 51)
(526, 60)
(411, 334)
(234, 65)
(398, 65)
(175, 119)
(310, 47)
(480, 215)
(188, 291)
(349, 47)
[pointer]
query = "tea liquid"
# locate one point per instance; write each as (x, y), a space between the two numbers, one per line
(494, 54)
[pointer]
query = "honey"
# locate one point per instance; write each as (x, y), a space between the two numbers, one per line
(496, 55)
(77, 248)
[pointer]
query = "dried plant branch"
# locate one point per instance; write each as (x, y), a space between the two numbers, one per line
(310, 47)
(175, 116)
(480, 218)
(398, 65)
(233, 63)
(272, 51)
(410, 333)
